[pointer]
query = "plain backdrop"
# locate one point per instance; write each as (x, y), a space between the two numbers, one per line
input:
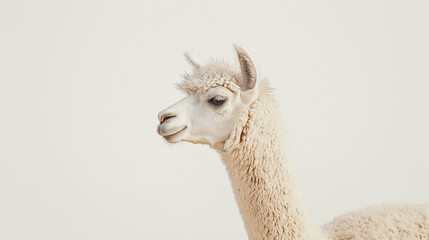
(82, 83)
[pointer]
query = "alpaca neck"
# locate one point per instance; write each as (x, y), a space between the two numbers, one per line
(263, 187)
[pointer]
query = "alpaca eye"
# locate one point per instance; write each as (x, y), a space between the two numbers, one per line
(217, 100)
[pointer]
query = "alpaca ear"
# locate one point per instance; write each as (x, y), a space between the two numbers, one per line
(191, 60)
(248, 70)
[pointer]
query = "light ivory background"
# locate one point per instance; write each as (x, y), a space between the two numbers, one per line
(81, 83)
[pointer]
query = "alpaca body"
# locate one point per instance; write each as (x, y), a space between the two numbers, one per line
(388, 221)
(233, 112)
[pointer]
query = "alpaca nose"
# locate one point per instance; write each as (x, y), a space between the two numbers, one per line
(164, 116)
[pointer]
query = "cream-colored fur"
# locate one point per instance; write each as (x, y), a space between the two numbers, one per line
(394, 221)
(264, 188)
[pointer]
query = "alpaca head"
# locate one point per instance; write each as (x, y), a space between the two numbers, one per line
(216, 94)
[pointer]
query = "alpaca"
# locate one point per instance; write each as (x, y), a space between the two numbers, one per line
(232, 111)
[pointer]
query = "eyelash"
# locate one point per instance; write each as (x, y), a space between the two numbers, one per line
(217, 101)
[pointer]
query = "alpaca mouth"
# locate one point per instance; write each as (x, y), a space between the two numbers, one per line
(170, 136)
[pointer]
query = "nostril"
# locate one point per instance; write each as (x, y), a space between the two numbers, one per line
(165, 117)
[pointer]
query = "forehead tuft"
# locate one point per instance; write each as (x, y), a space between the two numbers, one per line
(216, 73)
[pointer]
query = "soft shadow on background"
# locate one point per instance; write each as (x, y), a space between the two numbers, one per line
(81, 83)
